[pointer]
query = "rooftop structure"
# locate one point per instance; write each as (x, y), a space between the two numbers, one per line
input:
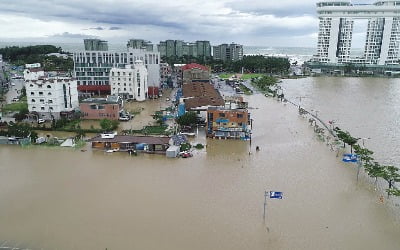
(336, 23)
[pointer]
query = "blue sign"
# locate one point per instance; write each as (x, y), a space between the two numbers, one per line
(275, 195)
(350, 158)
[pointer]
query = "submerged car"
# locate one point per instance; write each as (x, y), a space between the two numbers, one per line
(185, 154)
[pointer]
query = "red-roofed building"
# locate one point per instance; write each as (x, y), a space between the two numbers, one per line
(194, 72)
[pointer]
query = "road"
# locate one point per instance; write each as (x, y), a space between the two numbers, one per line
(14, 91)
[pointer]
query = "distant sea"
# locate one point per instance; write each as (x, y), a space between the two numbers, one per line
(300, 54)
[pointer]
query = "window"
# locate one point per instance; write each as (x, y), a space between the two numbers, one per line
(49, 86)
(239, 115)
(41, 100)
(40, 93)
(41, 108)
(31, 85)
(221, 114)
(33, 100)
(50, 101)
(50, 108)
(33, 107)
(32, 93)
(49, 93)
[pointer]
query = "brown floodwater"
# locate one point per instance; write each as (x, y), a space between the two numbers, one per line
(67, 199)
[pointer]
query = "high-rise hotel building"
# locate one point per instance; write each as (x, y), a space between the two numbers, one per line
(336, 22)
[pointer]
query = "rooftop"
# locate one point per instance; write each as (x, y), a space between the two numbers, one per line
(201, 94)
(194, 66)
(132, 139)
(109, 100)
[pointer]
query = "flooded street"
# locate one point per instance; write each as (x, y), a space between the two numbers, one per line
(66, 199)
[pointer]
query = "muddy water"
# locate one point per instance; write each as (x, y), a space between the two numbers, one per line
(366, 107)
(65, 199)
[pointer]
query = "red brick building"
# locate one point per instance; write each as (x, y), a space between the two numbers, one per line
(101, 108)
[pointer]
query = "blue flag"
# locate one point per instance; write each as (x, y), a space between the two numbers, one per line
(275, 195)
(350, 158)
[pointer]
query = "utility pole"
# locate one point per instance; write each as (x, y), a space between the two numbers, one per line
(265, 204)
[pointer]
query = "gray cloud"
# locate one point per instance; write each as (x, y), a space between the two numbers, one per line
(70, 35)
(222, 20)
(97, 28)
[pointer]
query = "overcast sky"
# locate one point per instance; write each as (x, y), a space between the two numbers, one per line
(249, 22)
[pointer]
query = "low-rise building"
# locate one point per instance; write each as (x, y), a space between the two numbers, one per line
(50, 97)
(198, 96)
(228, 123)
(130, 82)
(101, 108)
(127, 143)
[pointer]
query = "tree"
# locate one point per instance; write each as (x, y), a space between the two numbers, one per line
(391, 175)
(188, 119)
(80, 134)
(19, 129)
(375, 170)
(108, 125)
(34, 136)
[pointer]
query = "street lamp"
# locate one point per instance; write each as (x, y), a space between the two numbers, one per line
(363, 140)
(300, 97)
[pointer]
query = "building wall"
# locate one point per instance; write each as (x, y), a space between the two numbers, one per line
(92, 68)
(225, 52)
(230, 123)
(95, 45)
(49, 97)
(98, 111)
(194, 74)
(131, 82)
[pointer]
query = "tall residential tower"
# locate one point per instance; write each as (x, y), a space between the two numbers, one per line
(336, 22)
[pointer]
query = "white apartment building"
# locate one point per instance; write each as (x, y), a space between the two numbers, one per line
(336, 23)
(50, 97)
(92, 68)
(130, 82)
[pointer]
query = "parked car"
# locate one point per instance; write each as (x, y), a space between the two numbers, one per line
(41, 121)
(124, 118)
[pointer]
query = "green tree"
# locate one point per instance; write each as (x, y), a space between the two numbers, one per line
(80, 134)
(19, 129)
(34, 136)
(391, 175)
(108, 125)
(188, 119)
